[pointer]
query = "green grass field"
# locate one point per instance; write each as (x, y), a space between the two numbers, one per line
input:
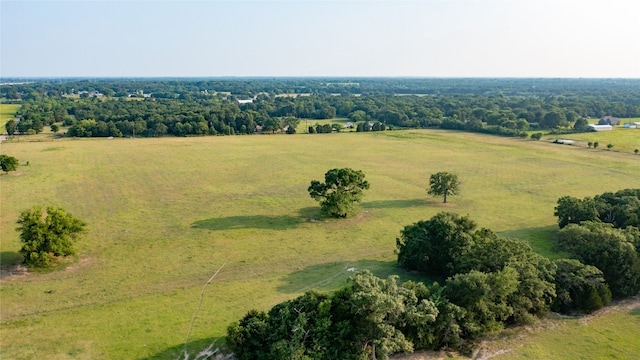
(623, 140)
(613, 333)
(7, 112)
(165, 214)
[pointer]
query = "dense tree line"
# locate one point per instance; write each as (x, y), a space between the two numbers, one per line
(184, 106)
(248, 87)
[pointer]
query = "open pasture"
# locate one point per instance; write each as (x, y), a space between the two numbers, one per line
(622, 139)
(7, 112)
(165, 214)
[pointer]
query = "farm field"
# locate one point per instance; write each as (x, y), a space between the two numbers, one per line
(165, 214)
(623, 140)
(7, 112)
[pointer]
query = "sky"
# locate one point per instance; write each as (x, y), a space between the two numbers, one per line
(430, 38)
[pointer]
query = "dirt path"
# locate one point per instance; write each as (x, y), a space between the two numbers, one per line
(486, 351)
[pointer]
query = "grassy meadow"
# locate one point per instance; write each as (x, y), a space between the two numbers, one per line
(165, 214)
(623, 140)
(7, 112)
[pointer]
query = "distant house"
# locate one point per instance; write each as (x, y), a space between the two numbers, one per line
(246, 101)
(632, 125)
(601, 127)
(609, 120)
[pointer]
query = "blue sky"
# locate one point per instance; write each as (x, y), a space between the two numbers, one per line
(433, 38)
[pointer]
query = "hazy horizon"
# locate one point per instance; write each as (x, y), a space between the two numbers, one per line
(320, 39)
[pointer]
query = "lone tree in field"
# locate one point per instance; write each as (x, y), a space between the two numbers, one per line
(443, 184)
(340, 193)
(44, 238)
(8, 163)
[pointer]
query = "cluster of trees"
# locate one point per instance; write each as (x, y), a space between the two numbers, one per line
(622, 209)
(495, 281)
(487, 283)
(484, 284)
(613, 251)
(369, 318)
(325, 128)
(199, 107)
(604, 231)
(370, 126)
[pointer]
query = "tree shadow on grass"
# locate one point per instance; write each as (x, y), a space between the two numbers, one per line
(259, 221)
(10, 262)
(9, 258)
(542, 239)
(333, 275)
(387, 204)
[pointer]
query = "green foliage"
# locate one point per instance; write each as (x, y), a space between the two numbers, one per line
(609, 146)
(364, 320)
(621, 209)
(341, 191)
(581, 125)
(443, 184)
(535, 290)
(554, 119)
(572, 210)
(432, 246)
(536, 136)
(44, 239)
(579, 288)
(11, 126)
(449, 246)
(484, 297)
(8, 163)
(611, 250)
(248, 338)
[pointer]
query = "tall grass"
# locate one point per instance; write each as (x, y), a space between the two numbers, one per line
(164, 214)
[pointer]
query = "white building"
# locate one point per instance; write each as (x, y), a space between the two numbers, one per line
(601, 127)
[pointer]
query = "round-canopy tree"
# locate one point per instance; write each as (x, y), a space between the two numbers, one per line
(8, 163)
(443, 184)
(45, 238)
(341, 191)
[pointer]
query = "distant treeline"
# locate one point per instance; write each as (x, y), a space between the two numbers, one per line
(146, 107)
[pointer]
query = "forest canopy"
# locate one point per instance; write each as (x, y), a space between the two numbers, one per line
(195, 107)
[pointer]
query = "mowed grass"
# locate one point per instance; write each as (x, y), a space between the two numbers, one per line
(622, 139)
(165, 214)
(7, 112)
